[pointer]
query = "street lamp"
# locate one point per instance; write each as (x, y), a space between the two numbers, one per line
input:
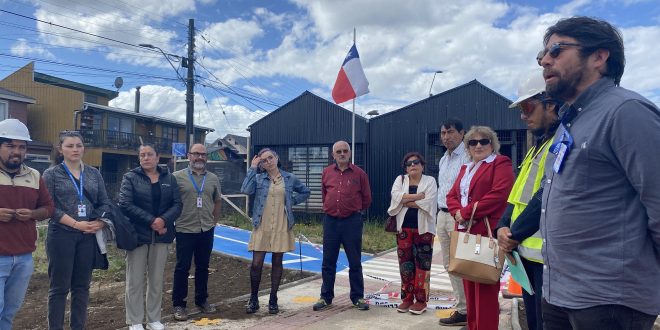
(167, 57)
(190, 131)
(434, 73)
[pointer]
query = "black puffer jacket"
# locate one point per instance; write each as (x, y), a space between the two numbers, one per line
(135, 202)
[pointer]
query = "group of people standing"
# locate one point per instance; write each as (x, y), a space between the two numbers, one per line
(583, 212)
(73, 196)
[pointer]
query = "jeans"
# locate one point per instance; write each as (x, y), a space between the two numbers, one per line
(604, 317)
(189, 245)
(346, 232)
(15, 272)
(70, 262)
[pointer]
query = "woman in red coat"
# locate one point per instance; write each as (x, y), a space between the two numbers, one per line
(487, 179)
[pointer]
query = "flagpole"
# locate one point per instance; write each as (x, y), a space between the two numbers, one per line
(353, 121)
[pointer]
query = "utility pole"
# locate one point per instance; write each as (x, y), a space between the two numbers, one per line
(190, 86)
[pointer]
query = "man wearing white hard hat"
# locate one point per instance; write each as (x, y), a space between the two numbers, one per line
(24, 200)
(518, 229)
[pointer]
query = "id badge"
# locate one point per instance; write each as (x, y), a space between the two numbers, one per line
(560, 158)
(199, 202)
(82, 210)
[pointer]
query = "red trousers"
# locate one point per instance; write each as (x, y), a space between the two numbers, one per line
(415, 252)
(483, 308)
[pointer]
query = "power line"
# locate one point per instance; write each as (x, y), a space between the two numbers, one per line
(87, 67)
(71, 29)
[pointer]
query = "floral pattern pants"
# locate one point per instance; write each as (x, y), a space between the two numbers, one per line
(415, 252)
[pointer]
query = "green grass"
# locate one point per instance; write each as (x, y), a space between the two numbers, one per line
(116, 260)
(374, 237)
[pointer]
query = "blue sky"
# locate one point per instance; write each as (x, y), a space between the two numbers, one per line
(253, 56)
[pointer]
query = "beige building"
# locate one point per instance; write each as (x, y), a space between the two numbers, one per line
(111, 135)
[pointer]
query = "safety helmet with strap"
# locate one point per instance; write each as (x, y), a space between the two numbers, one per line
(13, 129)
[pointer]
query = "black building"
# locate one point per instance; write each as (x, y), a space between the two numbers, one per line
(302, 133)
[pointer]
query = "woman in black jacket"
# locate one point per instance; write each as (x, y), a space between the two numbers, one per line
(149, 197)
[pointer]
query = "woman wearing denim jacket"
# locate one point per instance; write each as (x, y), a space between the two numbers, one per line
(272, 218)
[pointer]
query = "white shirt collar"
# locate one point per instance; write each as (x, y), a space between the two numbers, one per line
(459, 150)
(488, 159)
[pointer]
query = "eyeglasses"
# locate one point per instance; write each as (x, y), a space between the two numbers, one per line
(198, 154)
(483, 142)
(340, 151)
(528, 107)
(412, 162)
(554, 50)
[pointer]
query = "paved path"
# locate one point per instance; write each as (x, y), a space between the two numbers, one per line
(386, 267)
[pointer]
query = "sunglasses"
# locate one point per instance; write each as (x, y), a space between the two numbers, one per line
(483, 142)
(528, 107)
(412, 162)
(554, 50)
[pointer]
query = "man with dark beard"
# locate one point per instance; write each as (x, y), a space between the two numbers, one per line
(24, 200)
(201, 197)
(519, 226)
(600, 216)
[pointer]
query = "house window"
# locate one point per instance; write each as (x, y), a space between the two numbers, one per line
(307, 163)
(171, 133)
(120, 124)
(4, 110)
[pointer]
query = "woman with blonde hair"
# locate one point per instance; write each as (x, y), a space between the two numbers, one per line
(485, 182)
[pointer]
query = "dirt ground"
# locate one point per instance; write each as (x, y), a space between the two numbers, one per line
(229, 278)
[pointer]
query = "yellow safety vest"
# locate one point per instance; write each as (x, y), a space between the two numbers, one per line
(523, 189)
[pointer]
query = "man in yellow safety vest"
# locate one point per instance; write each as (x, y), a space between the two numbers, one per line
(519, 226)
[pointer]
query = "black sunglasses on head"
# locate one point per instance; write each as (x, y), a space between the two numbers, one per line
(411, 162)
(483, 142)
(554, 50)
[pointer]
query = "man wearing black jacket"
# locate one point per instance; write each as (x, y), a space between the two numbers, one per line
(519, 226)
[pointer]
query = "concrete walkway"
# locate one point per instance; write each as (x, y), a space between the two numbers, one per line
(296, 302)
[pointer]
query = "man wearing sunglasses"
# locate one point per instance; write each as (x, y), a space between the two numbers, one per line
(345, 193)
(519, 226)
(600, 220)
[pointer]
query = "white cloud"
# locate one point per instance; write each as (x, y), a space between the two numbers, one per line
(168, 102)
(233, 36)
(23, 48)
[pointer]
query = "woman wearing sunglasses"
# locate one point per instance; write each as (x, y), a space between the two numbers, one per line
(414, 203)
(487, 180)
(275, 191)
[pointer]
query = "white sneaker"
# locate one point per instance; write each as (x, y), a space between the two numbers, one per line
(136, 327)
(155, 326)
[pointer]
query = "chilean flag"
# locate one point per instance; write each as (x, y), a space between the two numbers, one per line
(351, 81)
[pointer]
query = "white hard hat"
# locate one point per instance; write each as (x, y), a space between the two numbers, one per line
(13, 129)
(534, 85)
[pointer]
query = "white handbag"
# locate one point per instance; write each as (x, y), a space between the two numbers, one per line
(475, 257)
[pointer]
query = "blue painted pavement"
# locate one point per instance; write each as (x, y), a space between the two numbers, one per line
(234, 241)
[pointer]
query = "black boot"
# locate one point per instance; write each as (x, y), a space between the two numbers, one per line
(252, 305)
(272, 306)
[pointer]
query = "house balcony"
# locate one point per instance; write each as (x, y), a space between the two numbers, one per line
(107, 139)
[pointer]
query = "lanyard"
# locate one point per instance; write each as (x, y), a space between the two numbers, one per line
(78, 189)
(198, 189)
